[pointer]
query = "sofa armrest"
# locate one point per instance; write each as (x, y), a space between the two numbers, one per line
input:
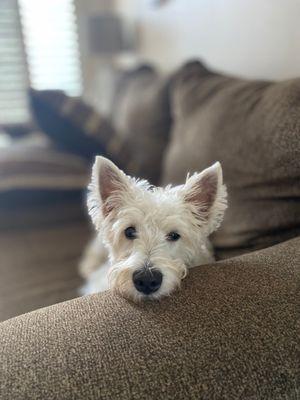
(230, 333)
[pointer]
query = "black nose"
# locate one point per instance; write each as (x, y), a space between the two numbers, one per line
(147, 280)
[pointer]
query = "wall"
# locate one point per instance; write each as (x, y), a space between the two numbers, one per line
(251, 38)
(94, 68)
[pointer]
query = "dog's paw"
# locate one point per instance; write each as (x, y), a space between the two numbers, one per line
(97, 281)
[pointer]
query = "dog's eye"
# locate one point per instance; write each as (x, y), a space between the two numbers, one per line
(130, 232)
(173, 236)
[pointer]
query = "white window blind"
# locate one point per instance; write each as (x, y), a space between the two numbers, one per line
(51, 42)
(13, 70)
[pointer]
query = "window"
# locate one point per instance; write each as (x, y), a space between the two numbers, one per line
(51, 42)
(38, 48)
(13, 70)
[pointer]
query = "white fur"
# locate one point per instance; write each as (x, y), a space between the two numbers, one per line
(154, 212)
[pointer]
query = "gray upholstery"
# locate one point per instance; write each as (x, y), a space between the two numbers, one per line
(253, 129)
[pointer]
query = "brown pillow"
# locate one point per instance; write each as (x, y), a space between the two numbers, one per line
(253, 129)
(142, 122)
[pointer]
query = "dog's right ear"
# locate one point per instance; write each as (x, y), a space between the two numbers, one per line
(105, 191)
(206, 192)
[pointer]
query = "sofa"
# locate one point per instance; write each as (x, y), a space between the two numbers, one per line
(232, 330)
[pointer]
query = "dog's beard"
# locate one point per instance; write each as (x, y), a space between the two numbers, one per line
(121, 276)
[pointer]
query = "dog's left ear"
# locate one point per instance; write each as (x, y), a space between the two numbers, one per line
(207, 194)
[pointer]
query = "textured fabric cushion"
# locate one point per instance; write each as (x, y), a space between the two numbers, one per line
(39, 263)
(230, 333)
(253, 129)
(20, 210)
(42, 168)
(71, 124)
(35, 181)
(142, 121)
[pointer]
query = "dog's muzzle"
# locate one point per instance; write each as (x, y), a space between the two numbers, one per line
(146, 280)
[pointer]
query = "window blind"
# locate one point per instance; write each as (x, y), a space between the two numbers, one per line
(51, 42)
(13, 68)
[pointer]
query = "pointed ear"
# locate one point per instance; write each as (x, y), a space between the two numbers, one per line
(106, 188)
(207, 194)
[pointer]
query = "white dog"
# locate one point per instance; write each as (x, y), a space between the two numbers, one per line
(148, 237)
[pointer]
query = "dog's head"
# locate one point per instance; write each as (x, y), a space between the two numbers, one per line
(153, 235)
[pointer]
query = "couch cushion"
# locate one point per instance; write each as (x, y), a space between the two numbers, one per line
(39, 260)
(253, 129)
(40, 168)
(230, 333)
(73, 125)
(142, 121)
(35, 181)
(134, 137)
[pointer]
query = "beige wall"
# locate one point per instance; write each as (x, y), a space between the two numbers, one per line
(252, 38)
(93, 67)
